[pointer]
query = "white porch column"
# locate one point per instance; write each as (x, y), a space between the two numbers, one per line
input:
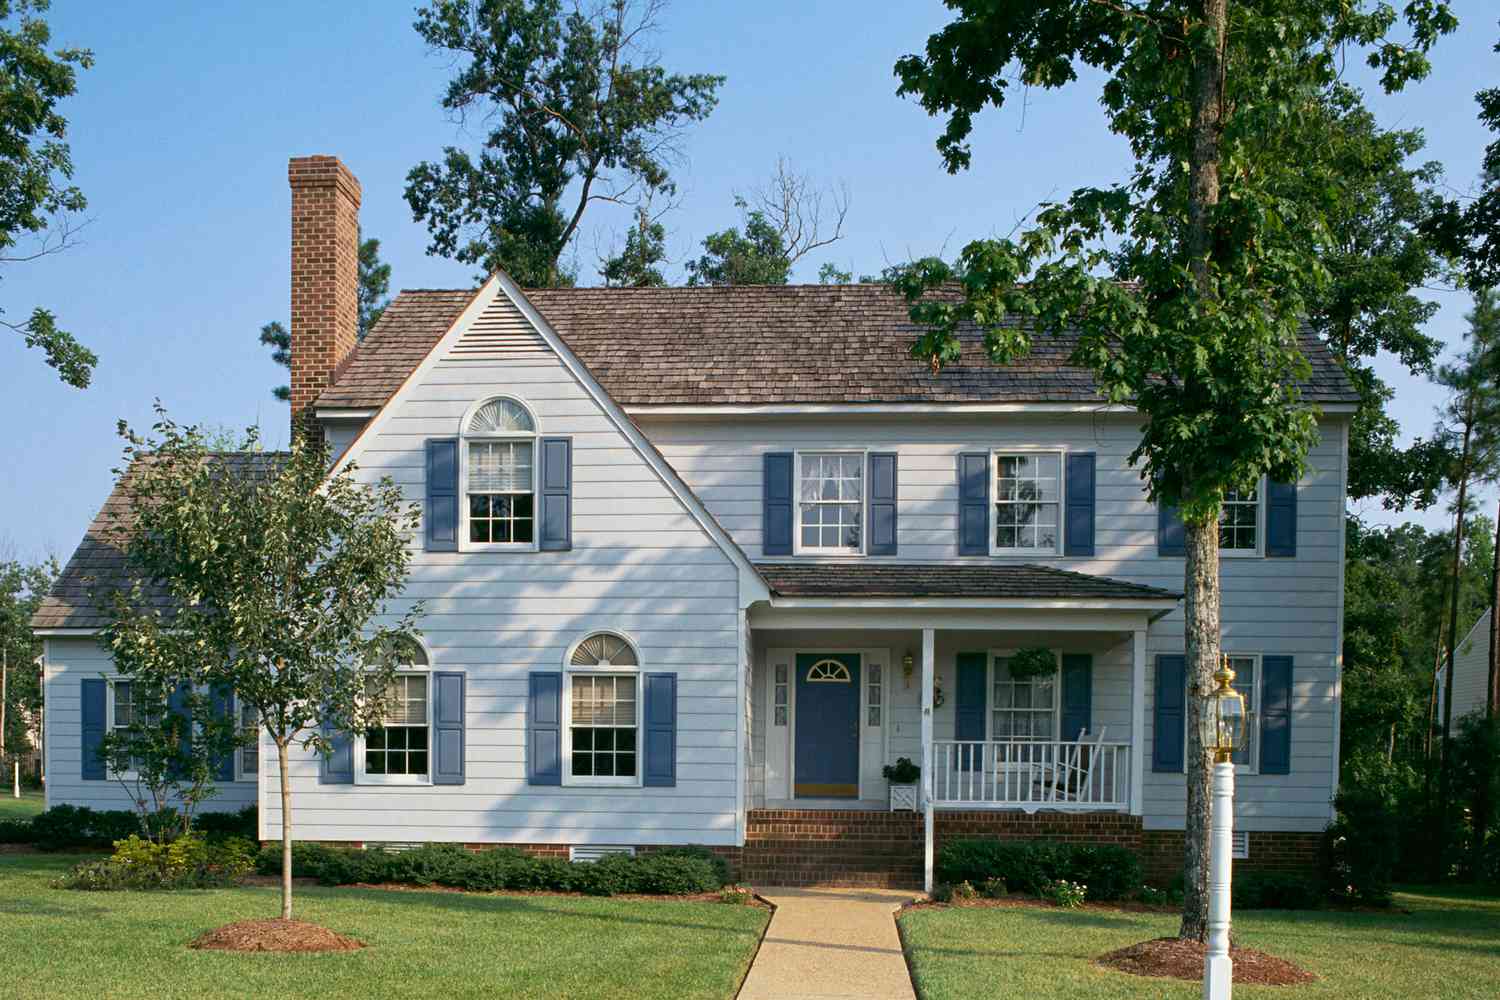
(1138, 722)
(929, 674)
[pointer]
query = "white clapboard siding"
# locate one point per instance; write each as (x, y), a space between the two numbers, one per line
(1270, 606)
(69, 662)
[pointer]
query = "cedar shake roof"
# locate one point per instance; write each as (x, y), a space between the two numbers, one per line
(98, 564)
(748, 345)
(823, 579)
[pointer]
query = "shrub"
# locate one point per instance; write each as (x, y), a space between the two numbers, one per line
(64, 828)
(219, 825)
(994, 888)
(1274, 891)
(675, 871)
(736, 895)
(186, 863)
(1111, 872)
(1152, 896)
(15, 831)
(1068, 895)
(719, 863)
(1361, 847)
(963, 892)
(903, 772)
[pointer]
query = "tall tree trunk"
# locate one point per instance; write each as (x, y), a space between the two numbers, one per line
(1492, 688)
(286, 831)
(1445, 770)
(1202, 650)
(1201, 571)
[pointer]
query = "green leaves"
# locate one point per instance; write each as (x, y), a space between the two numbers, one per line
(581, 110)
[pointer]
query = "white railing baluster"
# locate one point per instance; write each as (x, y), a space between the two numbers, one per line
(1061, 774)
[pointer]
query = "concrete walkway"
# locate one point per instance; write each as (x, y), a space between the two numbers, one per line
(831, 943)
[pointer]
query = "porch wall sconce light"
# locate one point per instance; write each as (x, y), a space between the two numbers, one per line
(908, 663)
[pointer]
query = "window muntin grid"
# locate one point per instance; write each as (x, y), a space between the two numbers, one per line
(830, 491)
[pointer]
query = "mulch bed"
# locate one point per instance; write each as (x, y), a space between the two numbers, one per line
(1031, 902)
(1174, 958)
(274, 935)
(696, 897)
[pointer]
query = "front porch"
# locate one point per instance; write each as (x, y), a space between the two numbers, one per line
(844, 684)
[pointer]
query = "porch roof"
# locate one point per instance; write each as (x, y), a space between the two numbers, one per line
(814, 579)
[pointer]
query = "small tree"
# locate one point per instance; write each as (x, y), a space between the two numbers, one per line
(166, 751)
(262, 575)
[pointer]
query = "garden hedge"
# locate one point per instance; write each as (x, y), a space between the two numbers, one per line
(1110, 872)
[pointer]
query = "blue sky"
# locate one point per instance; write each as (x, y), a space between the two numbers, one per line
(182, 131)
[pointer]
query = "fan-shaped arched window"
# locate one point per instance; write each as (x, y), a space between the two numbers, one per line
(602, 711)
(500, 473)
(604, 649)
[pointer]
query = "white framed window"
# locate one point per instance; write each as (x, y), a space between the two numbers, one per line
(830, 502)
(1239, 522)
(498, 470)
(399, 751)
(1026, 517)
(780, 696)
(1021, 709)
(1246, 669)
(120, 714)
(247, 758)
(602, 711)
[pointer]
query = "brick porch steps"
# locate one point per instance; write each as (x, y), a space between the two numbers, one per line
(833, 847)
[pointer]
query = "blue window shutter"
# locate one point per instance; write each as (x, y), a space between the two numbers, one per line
(974, 503)
(1171, 536)
(223, 706)
(776, 504)
(447, 727)
(1281, 519)
(544, 729)
(557, 494)
(660, 767)
(337, 768)
(1276, 715)
(177, 704)
(1078, 538)
(1077, 694)
(1170, 728)
(442, 495)
(93, 695)
(969, 706)
(881, 491)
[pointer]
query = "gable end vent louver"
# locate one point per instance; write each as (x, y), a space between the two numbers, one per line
(500, 333)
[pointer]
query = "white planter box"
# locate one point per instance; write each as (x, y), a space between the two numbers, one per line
(903, 797)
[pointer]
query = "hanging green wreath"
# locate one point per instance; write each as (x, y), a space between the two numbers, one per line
(1028, 664)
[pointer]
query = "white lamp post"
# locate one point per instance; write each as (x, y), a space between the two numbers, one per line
(1223, 731)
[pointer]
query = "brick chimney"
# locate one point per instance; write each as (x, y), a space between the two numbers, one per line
(325, 278)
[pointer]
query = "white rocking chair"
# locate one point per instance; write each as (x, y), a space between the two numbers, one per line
(1071, 776)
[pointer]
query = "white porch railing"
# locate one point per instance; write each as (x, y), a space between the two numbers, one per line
(1085, 774)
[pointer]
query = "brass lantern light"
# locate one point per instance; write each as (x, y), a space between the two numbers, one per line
(1224, 719)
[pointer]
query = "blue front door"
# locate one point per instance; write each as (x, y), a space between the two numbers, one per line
(827, 757)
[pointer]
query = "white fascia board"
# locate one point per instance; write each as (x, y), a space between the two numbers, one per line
(947, 618)
(671, 411)
(987, 603)
(361, 413)
(63, 633)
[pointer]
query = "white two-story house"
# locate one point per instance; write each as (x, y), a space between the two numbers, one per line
(698, 563)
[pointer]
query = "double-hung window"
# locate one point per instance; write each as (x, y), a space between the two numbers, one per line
(1239, 522)
(602, 706)
(499, 455)
(122, 714)
(830, 502)
(1021, 709)
(1028, 503)
(398, 751)
(1247, 682)
(247, 762)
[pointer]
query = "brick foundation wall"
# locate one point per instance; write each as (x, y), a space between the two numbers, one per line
(1285, 853)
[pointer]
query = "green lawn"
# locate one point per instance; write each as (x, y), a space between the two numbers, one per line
(59, 943)
(1449, 947)
(28, 805)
